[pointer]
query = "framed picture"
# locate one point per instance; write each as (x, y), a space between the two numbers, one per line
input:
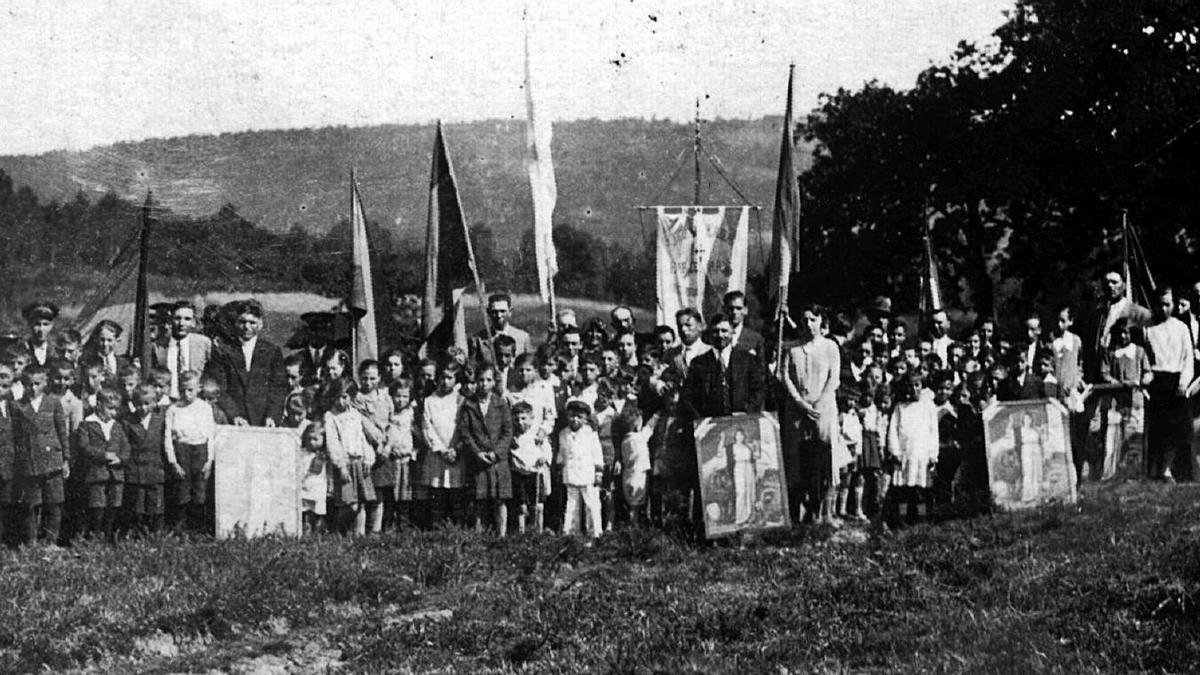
(1029, 453)
(741, 474)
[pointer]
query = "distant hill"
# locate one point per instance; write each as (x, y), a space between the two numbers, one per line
(281, 179)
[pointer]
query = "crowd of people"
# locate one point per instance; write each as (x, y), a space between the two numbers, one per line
(585, 429)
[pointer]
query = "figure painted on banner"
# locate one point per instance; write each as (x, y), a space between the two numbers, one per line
(1031, 450)
(741, 458)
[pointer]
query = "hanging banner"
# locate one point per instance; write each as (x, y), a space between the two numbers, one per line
(702, 253)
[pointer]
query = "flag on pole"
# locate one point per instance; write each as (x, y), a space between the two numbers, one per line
(785, 239)
(933, 286)
(362, 294)
(141, 346)
(449, 266)
(540, 165)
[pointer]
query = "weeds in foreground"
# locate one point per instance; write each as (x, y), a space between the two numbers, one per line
(1110, 585)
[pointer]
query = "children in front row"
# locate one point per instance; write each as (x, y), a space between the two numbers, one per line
(105, 453)
(187, 430)
(145, 473)
(582, 462)
(350, 453)
(392, 473)
(485, 432)
(530, 458)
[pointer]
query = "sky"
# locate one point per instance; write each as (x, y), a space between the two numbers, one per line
(84, 73)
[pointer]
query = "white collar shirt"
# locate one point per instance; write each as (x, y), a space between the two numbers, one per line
(248, 350)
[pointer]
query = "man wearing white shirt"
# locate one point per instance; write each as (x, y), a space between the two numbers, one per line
(939, 336)
(250, 374)
(691, 327)
(1172, 367)
(40, 317)
(183, 349)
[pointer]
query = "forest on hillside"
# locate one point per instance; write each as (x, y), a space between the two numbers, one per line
(1024, 155)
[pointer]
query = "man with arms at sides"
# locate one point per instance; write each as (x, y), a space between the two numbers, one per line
(1172, 369)
(499, 309)
(691, 328)
(251, 373)
(182, 348)
(743, 336)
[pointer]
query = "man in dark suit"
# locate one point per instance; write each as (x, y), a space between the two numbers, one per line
(726, 379)
(251, 374)
(743, 336)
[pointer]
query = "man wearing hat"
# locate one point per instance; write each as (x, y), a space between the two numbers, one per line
(314, 343)
(40, 317)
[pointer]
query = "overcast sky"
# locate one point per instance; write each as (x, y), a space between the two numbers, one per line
(84, 73)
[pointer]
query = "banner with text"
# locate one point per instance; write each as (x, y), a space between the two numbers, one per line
(702, 254)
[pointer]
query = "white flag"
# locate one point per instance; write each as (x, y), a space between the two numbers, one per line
(540, 165)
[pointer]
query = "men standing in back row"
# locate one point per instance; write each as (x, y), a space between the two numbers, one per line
(182, 349)
(499, 310)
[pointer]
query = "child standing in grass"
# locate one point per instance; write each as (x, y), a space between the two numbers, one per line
(912, 442)
(314, 484)
(105, 452)
(530, 462)
(582, 463)
(188, 429)
(144, 473)
(485, 431)
(398, 453)
(43, 458)
(441, 473)
(350, 453)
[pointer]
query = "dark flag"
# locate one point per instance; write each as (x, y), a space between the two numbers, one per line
(785, 239)
(141, 346)
(449, 264)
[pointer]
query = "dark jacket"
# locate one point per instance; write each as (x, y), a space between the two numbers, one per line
(711, 391)
(253, 395)
(479, 433)
(147, 456)
(43, 445)
(9, 431)
(94, 447)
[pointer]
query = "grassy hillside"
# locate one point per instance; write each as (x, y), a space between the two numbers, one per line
(1108, 586)
(298, 177)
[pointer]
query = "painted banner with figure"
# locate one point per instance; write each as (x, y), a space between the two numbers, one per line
(1029, 453)
(257, 476)
(741, 474)
(701, 256)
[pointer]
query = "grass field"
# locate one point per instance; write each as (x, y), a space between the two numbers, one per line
(1108, 586)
